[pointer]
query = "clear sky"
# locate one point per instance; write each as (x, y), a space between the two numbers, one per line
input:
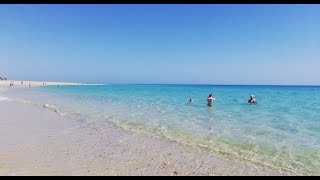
(206, 44)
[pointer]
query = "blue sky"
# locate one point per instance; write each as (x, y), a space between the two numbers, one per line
(198, 44)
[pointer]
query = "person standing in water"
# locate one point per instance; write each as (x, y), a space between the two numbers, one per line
(211, 99)
(252, 100)
(190, 100)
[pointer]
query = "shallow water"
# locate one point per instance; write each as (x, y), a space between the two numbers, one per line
(281, 131)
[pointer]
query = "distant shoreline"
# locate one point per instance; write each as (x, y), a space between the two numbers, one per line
(24, 83)
(49, 83)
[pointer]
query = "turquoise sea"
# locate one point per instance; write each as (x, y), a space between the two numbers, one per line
(282, 131)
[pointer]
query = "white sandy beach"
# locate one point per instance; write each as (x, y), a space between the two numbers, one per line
(37, 141)
(35, 83)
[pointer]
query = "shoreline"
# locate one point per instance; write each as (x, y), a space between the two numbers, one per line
(20, 83)
(38, 146)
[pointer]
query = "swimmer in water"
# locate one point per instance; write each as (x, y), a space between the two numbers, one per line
(211, 99)
(252, 100)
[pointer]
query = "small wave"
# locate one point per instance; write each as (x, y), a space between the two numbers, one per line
(51, 107)
(57, 109)
(3, 98)
(46, 106)
(22, 101)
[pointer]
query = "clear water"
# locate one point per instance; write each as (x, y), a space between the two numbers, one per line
(282, 131)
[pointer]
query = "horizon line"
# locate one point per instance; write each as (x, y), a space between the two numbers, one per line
(208, 84)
